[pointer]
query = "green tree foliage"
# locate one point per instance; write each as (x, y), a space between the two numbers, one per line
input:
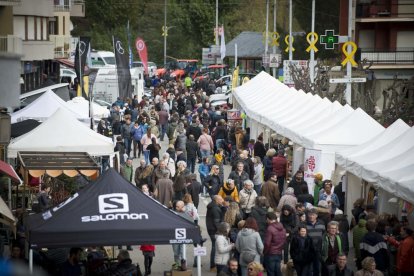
(192, 23)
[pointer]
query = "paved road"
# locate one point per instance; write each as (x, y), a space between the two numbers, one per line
(164, 257)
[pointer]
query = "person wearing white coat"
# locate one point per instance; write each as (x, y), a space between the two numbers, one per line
(223, 246)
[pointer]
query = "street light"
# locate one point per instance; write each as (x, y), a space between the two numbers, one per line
(165, 30)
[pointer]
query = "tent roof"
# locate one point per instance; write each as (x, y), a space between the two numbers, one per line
(62, 133)
(324, 125)
(110, 211)
(389, 134)
(81, 105)
(8, 170)
(43, 107)
(57, 161)
(23, 127)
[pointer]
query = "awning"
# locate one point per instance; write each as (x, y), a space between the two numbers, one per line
(8, 170)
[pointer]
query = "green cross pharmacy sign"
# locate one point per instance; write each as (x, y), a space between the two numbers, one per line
(329, 39)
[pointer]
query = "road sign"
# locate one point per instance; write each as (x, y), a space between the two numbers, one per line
(200, 251)
(329, 39)
(274, 60)
(348, 80)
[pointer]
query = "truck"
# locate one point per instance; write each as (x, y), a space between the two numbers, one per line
(105, 87)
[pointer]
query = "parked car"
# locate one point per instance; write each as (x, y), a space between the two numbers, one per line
(152, 67)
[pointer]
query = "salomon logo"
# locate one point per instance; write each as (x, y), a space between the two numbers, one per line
(114, 207)
(113, 203)
(180, 233)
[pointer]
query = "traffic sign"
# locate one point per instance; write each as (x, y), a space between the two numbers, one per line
(348, 80)
(274, 60)
(329, 39)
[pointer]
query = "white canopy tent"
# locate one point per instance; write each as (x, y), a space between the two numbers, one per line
(43, 107)
(62, 133)
(308, 120)
(81, 105)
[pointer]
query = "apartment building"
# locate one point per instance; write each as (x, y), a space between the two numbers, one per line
(384, 33)
(39, 30)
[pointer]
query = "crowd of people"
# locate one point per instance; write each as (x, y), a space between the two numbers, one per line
(255, 214)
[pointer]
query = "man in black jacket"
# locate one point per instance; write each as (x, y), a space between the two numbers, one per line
(213, 219)
(193, 151)
(193, 188)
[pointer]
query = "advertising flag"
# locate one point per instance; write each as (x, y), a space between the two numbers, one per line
(122, 69)
(222, 45)
(81, 54)
(312, 167)
(142, 52)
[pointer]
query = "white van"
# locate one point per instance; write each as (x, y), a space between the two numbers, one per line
(102, 59)
(105, 87)
(152, 67)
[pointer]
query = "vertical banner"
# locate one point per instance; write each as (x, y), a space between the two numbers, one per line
(81, 54)
(312, 167)
(222, 45)
(142, 52)
(122, 69)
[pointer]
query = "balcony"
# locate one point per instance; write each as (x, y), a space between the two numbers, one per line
(63, 45)
(37, 50)
(10, 2)
(398, 57)
(75, 7)
(385, 11)
(11, 44)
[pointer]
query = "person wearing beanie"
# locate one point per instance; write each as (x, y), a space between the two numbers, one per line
(358, 233)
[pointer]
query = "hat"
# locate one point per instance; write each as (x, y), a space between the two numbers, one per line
(339, 212)
(319, 176)
(323, 204)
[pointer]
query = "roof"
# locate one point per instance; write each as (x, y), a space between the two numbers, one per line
(8, 170)
(249, 45)
(32, 160)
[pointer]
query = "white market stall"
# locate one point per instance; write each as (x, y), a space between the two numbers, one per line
(81, 105)
(43, 107)
(312, 123)
(62, 133)
(386, 162)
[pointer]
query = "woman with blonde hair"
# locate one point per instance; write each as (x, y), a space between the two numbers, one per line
(189, 208)
(368, 268)
(232, 216)
(267, 163)
(255, 269)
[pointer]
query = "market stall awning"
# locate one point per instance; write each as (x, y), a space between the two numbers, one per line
(8, 170)
(57, 163)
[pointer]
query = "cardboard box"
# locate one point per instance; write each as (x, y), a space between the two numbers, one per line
(182, 273)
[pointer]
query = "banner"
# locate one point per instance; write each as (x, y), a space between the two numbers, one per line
(312, 167)
(82, 51)
(222, 45)
(122, 69)
(142, 52)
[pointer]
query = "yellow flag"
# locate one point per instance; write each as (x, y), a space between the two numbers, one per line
(235, 79)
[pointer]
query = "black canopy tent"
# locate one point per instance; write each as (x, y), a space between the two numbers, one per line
(110, 211)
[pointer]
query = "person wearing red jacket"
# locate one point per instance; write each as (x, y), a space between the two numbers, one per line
(148, 250)
(405, 258)
(279, 164)
(273, 244)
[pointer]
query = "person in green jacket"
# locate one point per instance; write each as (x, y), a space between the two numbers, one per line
(317, 188)
(188, 82)
(358, 232)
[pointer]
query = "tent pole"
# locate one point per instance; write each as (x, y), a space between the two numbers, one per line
(199, 265)
(184, 251)
(31, 261)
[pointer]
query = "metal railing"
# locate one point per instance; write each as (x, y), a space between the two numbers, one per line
(65, 5)
(404, 8)
(382, 56)
(64, 45)
(11, 44)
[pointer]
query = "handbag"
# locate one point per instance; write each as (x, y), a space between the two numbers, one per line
(247, 256)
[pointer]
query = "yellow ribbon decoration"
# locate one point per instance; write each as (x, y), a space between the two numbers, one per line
(312, 42)
(164, 31)
(288, 45)
(349, 56)
(275, 39)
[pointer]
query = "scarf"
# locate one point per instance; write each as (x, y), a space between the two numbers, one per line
(218, 157)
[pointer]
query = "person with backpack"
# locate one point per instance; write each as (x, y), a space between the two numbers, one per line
(137, 131)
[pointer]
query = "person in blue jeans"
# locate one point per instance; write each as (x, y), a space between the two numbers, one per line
(273, 244)
(204, 170)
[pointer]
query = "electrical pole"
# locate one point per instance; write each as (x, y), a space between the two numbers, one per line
(290, 30)
(312, 52)
(274, 33)
(348, 91)
(216, 33)
(165, 32)
(267, 29)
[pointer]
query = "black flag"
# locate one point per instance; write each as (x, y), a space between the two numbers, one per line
(82, 50)
(122, 68)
